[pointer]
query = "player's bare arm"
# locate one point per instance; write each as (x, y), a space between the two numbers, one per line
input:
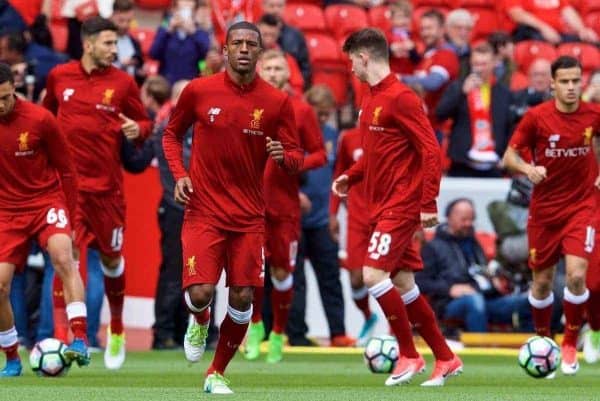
(183, 189)
(514, 163)
(596, 143)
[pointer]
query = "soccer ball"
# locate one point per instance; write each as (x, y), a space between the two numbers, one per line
(539, 356)
(381, 354)
(47, 358)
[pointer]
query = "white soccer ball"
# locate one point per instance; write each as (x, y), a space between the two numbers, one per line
(539, 356)
(381, 354)
(47, 358)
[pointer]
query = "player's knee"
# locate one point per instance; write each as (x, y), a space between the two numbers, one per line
(241, 297)
(373, 277)
(4, 291)
(200, 295)
(576, 281)
(62, 261)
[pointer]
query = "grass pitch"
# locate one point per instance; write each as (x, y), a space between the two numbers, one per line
(165, 376)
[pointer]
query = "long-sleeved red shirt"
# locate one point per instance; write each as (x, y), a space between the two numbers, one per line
(281, 189)
(35, 161)
(349, 151)
(231, 124)
(87, 107)
(401, 164)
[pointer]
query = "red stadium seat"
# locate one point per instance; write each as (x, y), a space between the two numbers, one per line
(518, 81)
(150, 67)
(306, 17)
(592, 20)
(488, 243)
(318, 3)
(343, 19)
(329, 66)
(154, 4)
(145, 36)
(468, 4)
(588, 55)
(587, 6)
(435, 4)
(527, 51)
(486, 22)
(379, 17)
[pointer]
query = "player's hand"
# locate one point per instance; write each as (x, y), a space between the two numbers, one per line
(334, 228)
(275, 150)
(429, 220)
(130, 128)
(459, 290)
(597, 182)
(340, 186)
(305, 203)
(471, 82)
(536, 174)
(183, 189)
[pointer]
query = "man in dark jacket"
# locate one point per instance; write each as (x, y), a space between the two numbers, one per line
(480, 110)
(291, 40)
(456, 280)
(129, 51)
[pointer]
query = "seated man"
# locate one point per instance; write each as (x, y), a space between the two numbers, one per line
(456, 279)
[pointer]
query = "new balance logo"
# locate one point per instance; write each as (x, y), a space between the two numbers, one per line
(67, 93)
(213, 113)
(553, 139)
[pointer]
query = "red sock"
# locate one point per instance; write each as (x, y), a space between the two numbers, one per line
(281, 302)
(541, 320)
(230, 338)
(362, 304)
(257, 304)
(593, 310)
(203, 317)
(79, 327)
(423, 319)
(59, 312)
(114, 287)
(12, 352)
(574, 319)
(395, 312)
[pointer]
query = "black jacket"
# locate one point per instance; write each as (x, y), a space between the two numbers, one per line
(292, 41)
(453, 104)
(445, 265)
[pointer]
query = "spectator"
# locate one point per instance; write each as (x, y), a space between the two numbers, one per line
(270, 31)
(30, 61)
(404, 56)
(129, 51)
(592, 92)
(291, 40)
(459, 27)
(316, 242)
(439, 65)
(479, 108)
(456, 280)
(537, 91)
(549, 20)
(10, 19)
(179, 44)
(504, 49)
(225, 13)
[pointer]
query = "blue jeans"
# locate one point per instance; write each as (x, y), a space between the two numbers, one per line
(477, 311)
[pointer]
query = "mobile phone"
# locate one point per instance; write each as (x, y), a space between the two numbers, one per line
(185, 13)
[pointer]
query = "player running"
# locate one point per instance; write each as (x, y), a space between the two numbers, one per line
(349, 151)
(282, 214)
(239, 122)
(558, 137)
(401, 171)
(96, 105)
(38, 196)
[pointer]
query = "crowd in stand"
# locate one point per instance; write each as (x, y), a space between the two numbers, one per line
(479, 65)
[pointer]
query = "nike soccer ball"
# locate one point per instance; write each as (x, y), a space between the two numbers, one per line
(539, 356)
(47, 358)
(381, 354)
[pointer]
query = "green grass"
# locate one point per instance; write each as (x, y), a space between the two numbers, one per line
(165, 376)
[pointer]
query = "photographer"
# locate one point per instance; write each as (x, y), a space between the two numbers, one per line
(456, 279)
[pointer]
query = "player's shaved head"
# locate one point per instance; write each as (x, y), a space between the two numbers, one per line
(244, 25)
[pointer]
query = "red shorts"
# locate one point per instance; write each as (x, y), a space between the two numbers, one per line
(548, 243)
(17, 230)
(391, 246)
(208, 249)
(100, 222)
(282, 243)
(593, 272)
(357, 244)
